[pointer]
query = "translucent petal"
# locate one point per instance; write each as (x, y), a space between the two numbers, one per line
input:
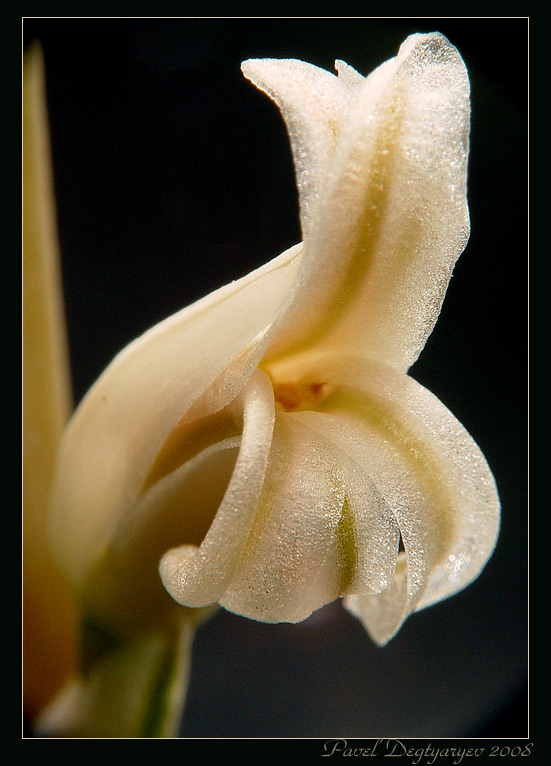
(291, 562)
(175, 511)
(392, 217)
(321, 530)
(374, 536)
(431, 474)
(313, 103)
(314, 529)
(384, 613)
(191, 364)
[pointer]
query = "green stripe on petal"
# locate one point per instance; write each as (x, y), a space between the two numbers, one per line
(433, 477)
(347, 546)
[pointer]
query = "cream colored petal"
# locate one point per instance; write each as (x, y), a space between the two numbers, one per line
(389, 604)
(198, 575)
(284, 540)
(190, 365)
(392, 216)
(290, 566)
(313, 103)
(305, 550)
(188, 499)
(430, 472)
(383, 614)
(348, 74)
(123, 593)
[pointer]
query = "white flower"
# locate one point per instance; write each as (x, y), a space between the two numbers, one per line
(265, 448)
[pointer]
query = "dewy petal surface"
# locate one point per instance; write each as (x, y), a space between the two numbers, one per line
(303, 550)
(431, 474)
(379, 457)
(391, 218)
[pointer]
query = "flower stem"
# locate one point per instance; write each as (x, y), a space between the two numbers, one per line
(133, 689)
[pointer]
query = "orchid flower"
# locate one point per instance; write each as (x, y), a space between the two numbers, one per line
(265, 449)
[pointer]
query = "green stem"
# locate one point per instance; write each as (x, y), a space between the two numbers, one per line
(133, 689)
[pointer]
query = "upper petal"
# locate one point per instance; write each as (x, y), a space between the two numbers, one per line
(192, 364)
(391, 218)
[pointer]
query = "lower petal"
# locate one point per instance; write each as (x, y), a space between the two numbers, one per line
(202, 490)
(321, 530)
(198, 575)
(291, 563)
(430, 472)
(298, 527)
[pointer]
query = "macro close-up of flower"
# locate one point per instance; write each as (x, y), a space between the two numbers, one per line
(264, 449)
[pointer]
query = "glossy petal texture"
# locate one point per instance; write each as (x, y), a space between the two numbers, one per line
(203, 573)
(266, 445)
(299, 552)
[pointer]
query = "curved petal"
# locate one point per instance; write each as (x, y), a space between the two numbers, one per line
(197, 575)
(177, 510)
(191, 364)
(291, 562)
(189, 499)
(430, 472)
(300, 525)
(320, 531)
(392, 217)
(313, 103)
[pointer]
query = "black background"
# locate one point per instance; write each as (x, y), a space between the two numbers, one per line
(174, 176)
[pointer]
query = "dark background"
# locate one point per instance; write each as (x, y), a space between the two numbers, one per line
(174, 176)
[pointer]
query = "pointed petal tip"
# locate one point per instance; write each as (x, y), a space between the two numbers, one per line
(431, 46)
(247, 65)
(380, 631)
(254, 68)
